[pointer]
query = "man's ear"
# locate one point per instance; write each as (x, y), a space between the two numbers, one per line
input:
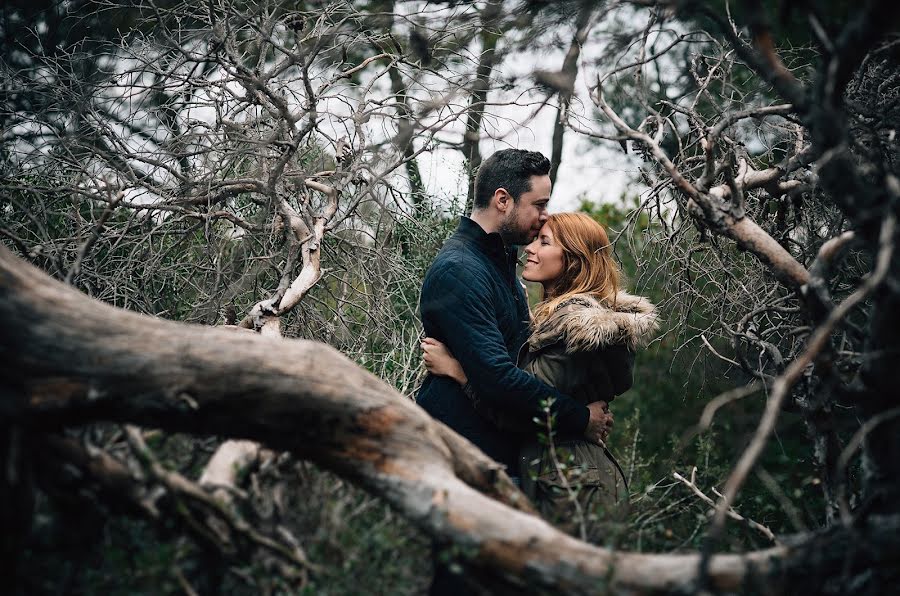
(502, 201)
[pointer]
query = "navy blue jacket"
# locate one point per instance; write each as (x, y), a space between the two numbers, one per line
(472, 302)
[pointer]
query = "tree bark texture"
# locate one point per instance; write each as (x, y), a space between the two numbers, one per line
(66, 359)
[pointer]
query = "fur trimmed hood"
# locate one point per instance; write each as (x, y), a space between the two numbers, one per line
(586, 324)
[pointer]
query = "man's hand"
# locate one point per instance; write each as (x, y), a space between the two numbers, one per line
(600, 422)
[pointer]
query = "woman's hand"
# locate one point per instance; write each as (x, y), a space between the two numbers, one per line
(600, 423)
(439, 361)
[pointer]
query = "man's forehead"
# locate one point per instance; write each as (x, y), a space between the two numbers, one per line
(540, 189)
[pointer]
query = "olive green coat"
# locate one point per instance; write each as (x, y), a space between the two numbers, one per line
(585, 349)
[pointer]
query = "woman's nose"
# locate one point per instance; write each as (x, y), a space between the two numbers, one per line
(529, 248)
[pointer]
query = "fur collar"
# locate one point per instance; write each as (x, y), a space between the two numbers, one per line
(585, 324)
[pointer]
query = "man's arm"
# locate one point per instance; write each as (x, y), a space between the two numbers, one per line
(459, 303)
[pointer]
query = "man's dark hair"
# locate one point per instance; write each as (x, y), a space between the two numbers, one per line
(511, 169)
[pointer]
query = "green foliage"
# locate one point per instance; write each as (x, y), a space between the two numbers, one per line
(352, 539)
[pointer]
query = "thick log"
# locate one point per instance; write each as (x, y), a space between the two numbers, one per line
(70, 360)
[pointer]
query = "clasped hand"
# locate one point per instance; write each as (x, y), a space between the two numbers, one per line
(439, 361)
(600, 423)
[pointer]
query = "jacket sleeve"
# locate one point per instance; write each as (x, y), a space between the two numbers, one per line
(459, 303)
(600, 374)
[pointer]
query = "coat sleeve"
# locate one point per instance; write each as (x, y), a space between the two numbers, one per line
(588, 376)
(458, 302)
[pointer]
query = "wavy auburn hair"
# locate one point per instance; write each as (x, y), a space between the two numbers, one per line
(588, 263)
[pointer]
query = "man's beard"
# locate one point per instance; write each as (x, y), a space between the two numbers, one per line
(510, 232)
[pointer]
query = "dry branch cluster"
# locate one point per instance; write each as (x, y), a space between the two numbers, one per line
(260, 163)
(787, 178)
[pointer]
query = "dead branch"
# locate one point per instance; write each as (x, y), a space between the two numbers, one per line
(713, 206)
(229, 460)
(691, 484)
(92, 238)
(783, 384)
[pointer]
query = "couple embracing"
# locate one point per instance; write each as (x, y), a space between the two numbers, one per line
(498, 373)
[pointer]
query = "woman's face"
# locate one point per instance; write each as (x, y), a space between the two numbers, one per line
(544, 259)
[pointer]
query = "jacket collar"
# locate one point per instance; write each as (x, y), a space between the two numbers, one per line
(586, 324)
(489, 243)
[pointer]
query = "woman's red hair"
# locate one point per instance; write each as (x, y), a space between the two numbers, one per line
(588, 263)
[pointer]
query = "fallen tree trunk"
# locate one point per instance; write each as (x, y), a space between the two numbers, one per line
(66, 359)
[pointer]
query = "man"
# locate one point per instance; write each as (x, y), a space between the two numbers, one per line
(472, 302)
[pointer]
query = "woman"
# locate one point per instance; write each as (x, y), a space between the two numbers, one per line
(584, 334)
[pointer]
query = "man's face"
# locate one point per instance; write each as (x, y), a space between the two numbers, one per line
(524, 221)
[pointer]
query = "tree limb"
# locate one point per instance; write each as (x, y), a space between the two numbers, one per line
(76, 360)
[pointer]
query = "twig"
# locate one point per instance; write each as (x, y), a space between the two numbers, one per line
(793, 514)
(731, 512)
(729, 119)
(183, 582)
(95, 234)
(573, 496)
(818, 271)
(181, 486)
(724, 399)
(713, 350)
(844, 459)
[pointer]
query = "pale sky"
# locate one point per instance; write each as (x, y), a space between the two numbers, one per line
(600, 172)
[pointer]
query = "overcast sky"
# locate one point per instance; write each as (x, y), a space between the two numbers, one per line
(600, 173)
